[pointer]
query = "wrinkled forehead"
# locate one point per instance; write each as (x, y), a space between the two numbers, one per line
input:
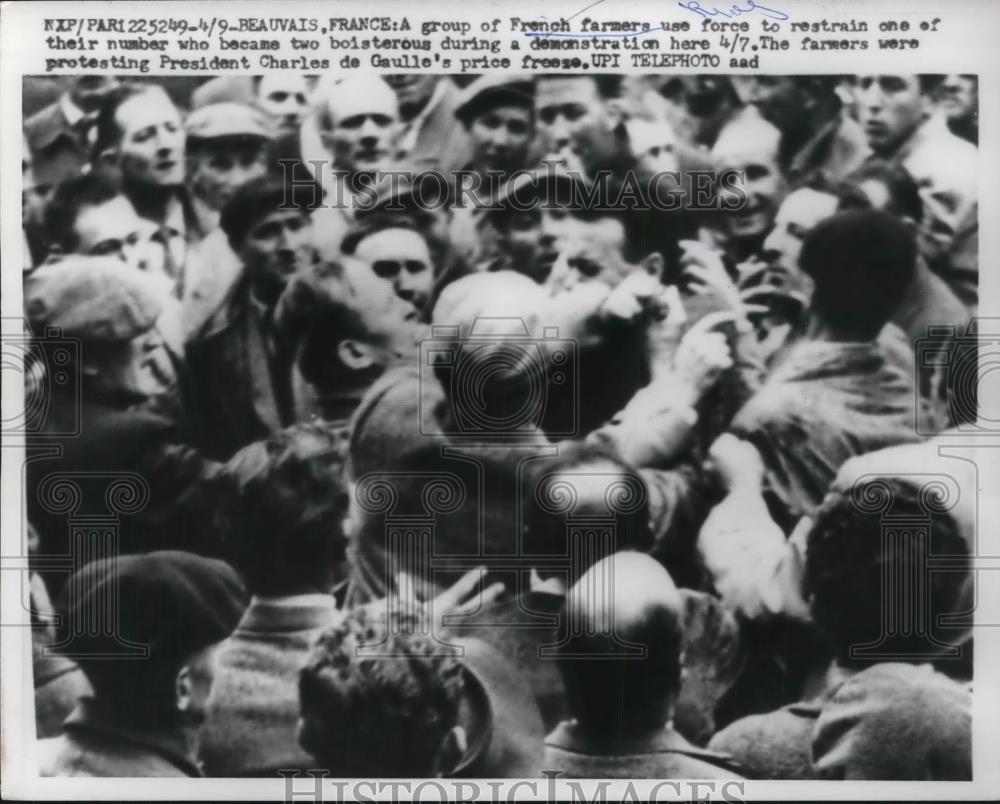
(149, 108)
(362, 95)
(807, 207)
(561, 91)
(747, 143)
(273, 83)
(392, 243)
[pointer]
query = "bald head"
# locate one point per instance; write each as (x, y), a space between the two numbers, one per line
(621, 661)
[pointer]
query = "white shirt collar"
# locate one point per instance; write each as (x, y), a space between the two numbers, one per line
(73, 113)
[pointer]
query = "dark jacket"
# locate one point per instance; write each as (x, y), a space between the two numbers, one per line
(96, 743)
(662, 754)
(237, 388)
(253, 717)
(127, 464)
(56, 149)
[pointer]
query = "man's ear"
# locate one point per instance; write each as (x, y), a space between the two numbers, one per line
(355, 354)
(653, 264)
(453, 748)
(182, 690)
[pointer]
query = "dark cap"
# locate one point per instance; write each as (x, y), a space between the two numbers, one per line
(492, 90)
(169, 603)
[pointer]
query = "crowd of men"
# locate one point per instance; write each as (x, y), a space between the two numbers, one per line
(335, 469)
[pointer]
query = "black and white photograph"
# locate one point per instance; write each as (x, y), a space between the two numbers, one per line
(521, 423)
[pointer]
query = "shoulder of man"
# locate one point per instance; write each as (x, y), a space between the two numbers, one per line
(775, 745)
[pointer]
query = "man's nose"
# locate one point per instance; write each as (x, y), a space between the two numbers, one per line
(559, 132)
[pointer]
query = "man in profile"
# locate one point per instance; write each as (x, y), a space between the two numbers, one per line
(146, 711)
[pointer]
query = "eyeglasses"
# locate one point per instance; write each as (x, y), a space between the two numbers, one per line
(387, 269)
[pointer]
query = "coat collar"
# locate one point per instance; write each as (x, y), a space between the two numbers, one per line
(299, 613)
(569, 736)
(91, 719)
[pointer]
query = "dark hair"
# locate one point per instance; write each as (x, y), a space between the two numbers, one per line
(317, 314)
(548, 510)
(862, 262)
(609, 695)
(108, 134)
(286, 499)
(379, 222)
(380, 711)
(904, 194)
(260, 197)
(848, 561)
(70, 196)
(609, 85)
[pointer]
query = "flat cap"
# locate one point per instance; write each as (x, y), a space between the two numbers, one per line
(227, 120)
(172, 602)
(495, 89)
(93, 298)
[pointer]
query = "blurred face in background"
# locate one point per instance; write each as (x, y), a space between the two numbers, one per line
(890, 108)
(958, 97)
(752, 150)
(219, 166)
(284, 99)
(151, 145)
(501, 137)
(780, 99)
(414, 91)
(89, 91)
(574, 121)
(704, 94)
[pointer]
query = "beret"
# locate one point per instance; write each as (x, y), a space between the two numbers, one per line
(378, 222)
(859, 248)
(260, 197)
(227, 120)
(93, 298)
(175, 603)
(896, 722)
(494, 89)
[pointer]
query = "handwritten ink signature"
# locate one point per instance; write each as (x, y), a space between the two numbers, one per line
(733, 11)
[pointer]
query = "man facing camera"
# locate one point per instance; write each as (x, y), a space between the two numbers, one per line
(239, 370)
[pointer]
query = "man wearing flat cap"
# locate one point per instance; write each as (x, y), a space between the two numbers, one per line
(152, 674)
(228, 144)
(237, 364)
(498, 112)
(110, 403)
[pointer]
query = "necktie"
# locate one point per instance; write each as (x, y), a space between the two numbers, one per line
(163, 236)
